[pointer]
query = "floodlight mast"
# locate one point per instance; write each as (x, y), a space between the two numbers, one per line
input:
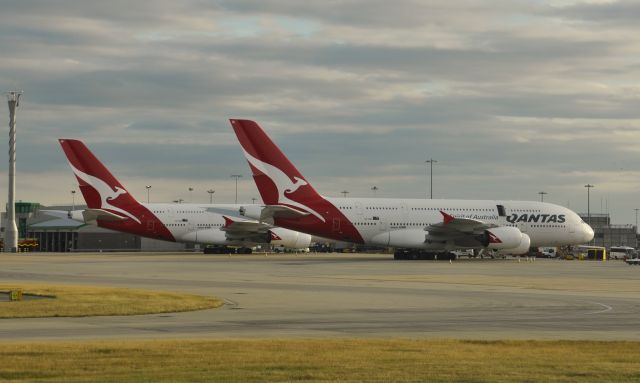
(11, 230)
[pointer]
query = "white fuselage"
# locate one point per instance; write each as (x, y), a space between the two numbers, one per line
(385, 221)
(186, 221)
(205, 224)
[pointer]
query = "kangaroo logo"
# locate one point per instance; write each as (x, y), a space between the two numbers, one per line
(283, 183)
(107, 193)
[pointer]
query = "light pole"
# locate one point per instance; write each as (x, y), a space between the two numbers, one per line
(589, 186)
(148, 188)
(73, 200)
(211, 191)
(636, 220)
(236, 176)
(344, 193)
(190, 195)
(11, 230)
(253, 200)
(375, 189)
(542, 195)
(431, 162)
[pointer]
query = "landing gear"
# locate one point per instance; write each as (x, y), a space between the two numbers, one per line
(413, 254)
(227, 250)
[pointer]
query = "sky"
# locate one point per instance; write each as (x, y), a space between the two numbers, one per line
(511, 97)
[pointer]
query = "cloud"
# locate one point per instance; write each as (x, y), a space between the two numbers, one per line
(511, 97)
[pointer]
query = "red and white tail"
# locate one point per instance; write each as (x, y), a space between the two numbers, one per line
(277, 179)
(106, 197)
(280, 183)
(100, 189)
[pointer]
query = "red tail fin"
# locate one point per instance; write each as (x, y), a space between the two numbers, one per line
(100, 189)
(276, 177)
(280, 183)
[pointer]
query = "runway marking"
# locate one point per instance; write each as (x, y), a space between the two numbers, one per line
(233, 305)
(606, 308)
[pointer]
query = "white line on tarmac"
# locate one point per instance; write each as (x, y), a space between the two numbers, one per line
(606, 308)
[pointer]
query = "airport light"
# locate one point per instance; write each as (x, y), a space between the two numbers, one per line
(73, 200)
(148, 188)
(542, 195)
(190, 195)
(375, 189)
(253, 200)
(236, 176)
(636, 220)
(344, 193)
(211, 191)
(11, 230)
(431, 161)
(589, 186)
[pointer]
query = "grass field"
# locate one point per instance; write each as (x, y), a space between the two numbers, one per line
(321, 361)
(78, 301)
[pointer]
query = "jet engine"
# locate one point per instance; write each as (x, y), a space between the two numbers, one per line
(407, 238)
(289, 238)
(206, 237)
(523, 248)
(505, 237)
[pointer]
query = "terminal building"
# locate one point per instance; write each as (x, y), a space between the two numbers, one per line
(607, 235)
(40, 231)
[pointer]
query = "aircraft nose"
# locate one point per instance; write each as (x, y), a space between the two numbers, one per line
(587, 233)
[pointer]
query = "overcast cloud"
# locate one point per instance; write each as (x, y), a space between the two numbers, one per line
(510, 97)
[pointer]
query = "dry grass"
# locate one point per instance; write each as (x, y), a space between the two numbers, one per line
(322, 361)
(78, 301)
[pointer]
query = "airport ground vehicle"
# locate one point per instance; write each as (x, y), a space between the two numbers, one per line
(621, 252)
(547, 252)
(111, 206)
(633, 261)
(419, 227)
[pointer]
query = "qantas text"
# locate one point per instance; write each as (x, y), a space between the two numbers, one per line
(543, 218)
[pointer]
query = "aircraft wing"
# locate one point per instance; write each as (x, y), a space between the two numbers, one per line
(452, 227)
(280, 211)
(224, 211)
(243, 228)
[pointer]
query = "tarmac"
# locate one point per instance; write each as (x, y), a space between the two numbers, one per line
(342, 295)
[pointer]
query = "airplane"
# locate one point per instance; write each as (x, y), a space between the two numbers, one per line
(111, 206)
(419, 225)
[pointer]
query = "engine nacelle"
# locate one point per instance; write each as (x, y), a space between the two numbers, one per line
(503, 237)
(289, 238)
(212, 236)
(523, 248)
(407, 238)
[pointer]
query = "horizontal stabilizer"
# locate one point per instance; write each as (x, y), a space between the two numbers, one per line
(101, 214)
(56, 213)
(279, 211)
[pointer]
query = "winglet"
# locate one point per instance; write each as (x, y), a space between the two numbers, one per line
(447, 218)
(227, 221)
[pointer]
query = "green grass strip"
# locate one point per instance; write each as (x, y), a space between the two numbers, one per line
(81, 301)
(343, 360)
